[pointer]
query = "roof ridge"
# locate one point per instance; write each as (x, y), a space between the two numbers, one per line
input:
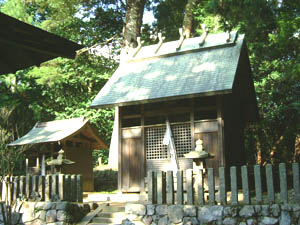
(186, 46)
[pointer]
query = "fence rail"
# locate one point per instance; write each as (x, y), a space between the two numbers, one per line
(42, 188)
(260, 185)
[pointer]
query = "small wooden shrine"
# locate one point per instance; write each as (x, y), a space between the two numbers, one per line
(75, 138)
(203, 86)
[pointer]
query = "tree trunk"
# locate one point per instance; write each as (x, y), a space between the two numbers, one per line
(133, 22)
(188, 18)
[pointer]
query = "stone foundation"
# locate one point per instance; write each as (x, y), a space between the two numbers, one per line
(54, 213)
(217, 214)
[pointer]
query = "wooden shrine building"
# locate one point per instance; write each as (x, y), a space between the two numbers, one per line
(75, 136)
(202, 85)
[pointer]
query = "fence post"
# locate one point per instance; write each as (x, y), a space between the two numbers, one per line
(54, 191)
(48, 188)
(245, 184)
(233, 184)
(16, 188)
(161, 187)
(179, 192)
(211, 186)
(34, 187)
(68, 187)
(283, 183)
(170, 187)
(222, 191)
(41, 188)
(258, 186)
(61, 185)
(73, 188)
(28, 186)
(189, 187)
(296, 181)
(22, 186)
(79, 188)
(4, 189)
(270, 186)
(150, 184)
(200, 188)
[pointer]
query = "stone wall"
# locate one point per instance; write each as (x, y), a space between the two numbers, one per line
(50, 213)
(217, 214)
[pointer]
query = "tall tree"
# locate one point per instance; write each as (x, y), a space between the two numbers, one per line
(133, 22)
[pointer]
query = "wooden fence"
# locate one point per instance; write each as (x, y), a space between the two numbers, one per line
(200, 188)
(42, 188)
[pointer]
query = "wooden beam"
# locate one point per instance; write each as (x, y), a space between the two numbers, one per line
(119, 113)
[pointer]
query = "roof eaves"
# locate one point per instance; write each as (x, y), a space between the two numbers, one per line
(205, 94)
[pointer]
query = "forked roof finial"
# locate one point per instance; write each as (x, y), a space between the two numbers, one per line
(161, 40)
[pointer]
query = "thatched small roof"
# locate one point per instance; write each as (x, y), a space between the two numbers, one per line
(195, 69)
(60, 130)
(23, 45)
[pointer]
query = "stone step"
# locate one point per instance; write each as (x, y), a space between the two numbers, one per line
(107, 220)
(111, 214)
(113, 209)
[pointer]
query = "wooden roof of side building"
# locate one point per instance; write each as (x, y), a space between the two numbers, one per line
(60, 130)
(216, 67)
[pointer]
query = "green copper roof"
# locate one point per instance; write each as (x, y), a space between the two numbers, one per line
(51, 131)
(192, 70)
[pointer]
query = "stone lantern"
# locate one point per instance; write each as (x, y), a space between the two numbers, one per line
(198, 155)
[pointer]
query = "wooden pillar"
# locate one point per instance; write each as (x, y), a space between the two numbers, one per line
(143, 155)
(192, 119)
(52, 156)
(118, 112)
(220, 130)
(43, 172)
(37, 163)
(26, 165)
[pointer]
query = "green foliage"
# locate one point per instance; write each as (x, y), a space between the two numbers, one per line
(105, 180)
(100, 153)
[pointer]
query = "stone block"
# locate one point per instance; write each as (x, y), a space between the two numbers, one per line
(61, 215)
(61, 205)
(251, 221)
(208, 214)
(247, 211)
(161, 210)
(190, 220)
(51, 216)
(285, 218)
(41, 215)
(229, 221)
(138, 209)
(175, 213)
(269, 220)
(147, 220)
(48, 205)
(163, 220)
(275, 210)
(189, 210)
(229, 211)
(265, 210)
(150, 210)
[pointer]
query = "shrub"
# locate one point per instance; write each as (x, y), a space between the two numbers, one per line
(105, 180)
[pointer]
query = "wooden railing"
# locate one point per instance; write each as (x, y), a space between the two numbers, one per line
(62, 187)
(256, 187)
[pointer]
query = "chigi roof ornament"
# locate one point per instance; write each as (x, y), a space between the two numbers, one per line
(161, 40)
(204, 35)
(181, 39)
(138, 48)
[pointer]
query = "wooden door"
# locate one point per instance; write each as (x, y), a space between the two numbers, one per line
(132, 160)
